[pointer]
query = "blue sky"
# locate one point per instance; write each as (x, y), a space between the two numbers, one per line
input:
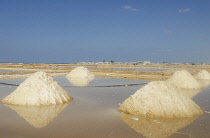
(68, 31)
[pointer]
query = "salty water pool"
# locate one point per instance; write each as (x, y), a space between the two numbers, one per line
(93, 113)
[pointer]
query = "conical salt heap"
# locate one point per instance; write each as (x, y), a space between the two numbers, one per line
(203, 75)
(158, 127)
(39, 116)
(183, 79)
(38, 89)
(160, 100)
(80, 72)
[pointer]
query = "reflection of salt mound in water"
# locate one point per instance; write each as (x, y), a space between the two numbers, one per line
(39, 116)
(38, 89)
(158, 127)
(183, 79)
(159, 99)
(80, 81)
(204, 83)
(80, 72)
(190, 92)
(203, 75)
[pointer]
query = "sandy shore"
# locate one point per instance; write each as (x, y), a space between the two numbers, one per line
(102, 71)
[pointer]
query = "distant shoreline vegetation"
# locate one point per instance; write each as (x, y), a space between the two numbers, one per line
(114, 62)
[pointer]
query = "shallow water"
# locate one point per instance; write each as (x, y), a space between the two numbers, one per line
(143, 69)
(93, 113)
(7, 71)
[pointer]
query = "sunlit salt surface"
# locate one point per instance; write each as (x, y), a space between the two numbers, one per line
(93, 113)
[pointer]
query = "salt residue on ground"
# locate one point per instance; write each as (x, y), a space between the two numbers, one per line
(38, 89)
(183, 79)
(159, 99)
(203, 75)
(80, 72)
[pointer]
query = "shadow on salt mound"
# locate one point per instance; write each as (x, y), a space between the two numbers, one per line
(39, 116)
(156, 127)
(38, 89)
(159, 99)
(80, 81)
(203, 75)
(80, 72)
(183, 79)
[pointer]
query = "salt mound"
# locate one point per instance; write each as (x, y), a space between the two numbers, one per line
(80, 72)
(38, 89)
(158, 127)
(203, 75)
(160, 100)
(183, 79)
(39, 116)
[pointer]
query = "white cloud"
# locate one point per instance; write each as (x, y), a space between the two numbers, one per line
(184, 10)
(128, 7)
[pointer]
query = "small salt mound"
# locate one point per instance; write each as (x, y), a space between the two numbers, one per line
(39, 116)
(38, 89)
(203, 75)
(80, 72)
(161, 100)
(183, 79)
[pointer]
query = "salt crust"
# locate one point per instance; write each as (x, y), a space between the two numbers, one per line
(159, 99)
(38, 89)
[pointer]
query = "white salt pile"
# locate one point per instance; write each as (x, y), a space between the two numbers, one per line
(161, 100)
(203, 75)
(38, 89)
(183, 79)
(39, 116)
(80, 72)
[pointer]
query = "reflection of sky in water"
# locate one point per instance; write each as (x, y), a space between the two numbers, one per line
(142, 69)
(100, 81)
